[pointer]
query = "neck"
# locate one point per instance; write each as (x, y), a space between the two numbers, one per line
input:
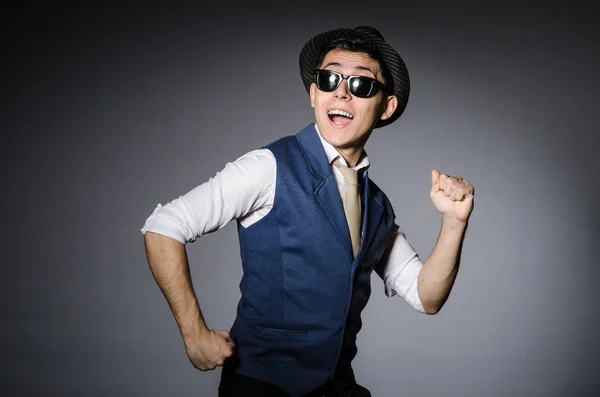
(351, 155)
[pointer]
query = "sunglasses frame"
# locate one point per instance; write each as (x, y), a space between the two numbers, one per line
(372, 91)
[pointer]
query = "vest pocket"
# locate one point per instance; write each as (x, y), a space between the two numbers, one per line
(284, 332)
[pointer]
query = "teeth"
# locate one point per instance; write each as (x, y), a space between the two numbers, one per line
(340, 112)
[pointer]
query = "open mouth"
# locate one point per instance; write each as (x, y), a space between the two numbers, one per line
(340, 117)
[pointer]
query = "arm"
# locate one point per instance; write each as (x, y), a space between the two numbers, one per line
(426, 286)
(168, 263)
(440, 269)
(453, 197)
(243, 190)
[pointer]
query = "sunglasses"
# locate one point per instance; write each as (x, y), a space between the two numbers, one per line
(359, 86)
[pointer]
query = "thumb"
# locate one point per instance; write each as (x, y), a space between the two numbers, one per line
(227, 337)
(435, 181)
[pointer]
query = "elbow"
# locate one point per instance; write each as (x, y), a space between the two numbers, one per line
(431, 310)
(157, 239)
(432, 300)
(152, 240)
(432, 307)
(160, 245)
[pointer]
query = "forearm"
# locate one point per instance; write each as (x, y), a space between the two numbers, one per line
(168, 263)
(439, 270)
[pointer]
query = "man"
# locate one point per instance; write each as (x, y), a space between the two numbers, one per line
(312, 227)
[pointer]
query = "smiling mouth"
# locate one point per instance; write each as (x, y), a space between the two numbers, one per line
(340, 117)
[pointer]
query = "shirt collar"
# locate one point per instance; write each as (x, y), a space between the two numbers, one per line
(333, 154)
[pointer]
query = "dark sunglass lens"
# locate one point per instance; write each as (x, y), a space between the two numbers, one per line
(327, 81)
(361, 87)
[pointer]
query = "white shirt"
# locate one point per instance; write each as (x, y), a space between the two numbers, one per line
(245, 190)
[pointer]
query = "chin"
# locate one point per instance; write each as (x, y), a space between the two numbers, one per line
(336, 137)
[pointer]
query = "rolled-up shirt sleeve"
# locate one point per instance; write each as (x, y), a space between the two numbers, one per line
(399, 269)
(243, 190)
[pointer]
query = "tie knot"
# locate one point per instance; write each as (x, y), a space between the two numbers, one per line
(350, 175)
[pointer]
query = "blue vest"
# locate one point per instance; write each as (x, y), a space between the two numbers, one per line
(301, 291)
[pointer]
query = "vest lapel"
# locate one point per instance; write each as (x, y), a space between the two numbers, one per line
(373, 210)
(326, 191)
(328, 196)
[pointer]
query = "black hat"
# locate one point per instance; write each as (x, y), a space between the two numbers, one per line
(311, 53)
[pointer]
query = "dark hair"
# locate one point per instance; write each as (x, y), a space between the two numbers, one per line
(355, 44)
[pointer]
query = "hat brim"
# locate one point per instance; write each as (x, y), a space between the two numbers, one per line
(311, 52)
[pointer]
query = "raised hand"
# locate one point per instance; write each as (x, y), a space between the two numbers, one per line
(452, 195)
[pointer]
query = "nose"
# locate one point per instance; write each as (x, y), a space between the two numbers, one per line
(341, 92)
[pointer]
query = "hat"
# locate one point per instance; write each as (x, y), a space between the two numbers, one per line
(400, 84)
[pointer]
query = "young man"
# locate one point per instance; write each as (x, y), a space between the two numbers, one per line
(312, 227)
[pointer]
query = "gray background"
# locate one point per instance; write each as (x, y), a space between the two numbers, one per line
(109, 110)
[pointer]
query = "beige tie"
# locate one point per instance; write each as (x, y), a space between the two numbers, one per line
(351, 202)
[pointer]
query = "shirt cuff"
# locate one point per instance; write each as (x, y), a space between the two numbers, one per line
(160, 222)
(403, 282)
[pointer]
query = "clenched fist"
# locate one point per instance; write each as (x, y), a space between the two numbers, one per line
(452, 195)
(210, 350)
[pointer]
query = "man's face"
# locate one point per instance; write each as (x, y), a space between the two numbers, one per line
(349, 131)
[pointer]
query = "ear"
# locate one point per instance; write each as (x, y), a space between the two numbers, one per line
(391, 103)
(313, 88)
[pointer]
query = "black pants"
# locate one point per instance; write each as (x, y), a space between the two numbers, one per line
(236, 385)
